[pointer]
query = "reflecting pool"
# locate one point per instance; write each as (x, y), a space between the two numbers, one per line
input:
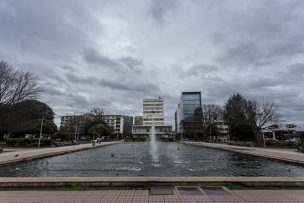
(137, 159)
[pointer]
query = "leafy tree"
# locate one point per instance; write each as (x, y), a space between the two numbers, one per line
(247, 118)
(33, 127)
(90, 123)
(100, 129)
(64, 135)
(25, 117)
(239, 115)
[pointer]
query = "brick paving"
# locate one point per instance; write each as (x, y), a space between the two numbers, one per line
(138, 196)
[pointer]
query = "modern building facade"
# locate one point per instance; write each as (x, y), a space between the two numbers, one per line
(138, 120)
(153, 115)
(127, 127)
(153, 111)
(189, 116)
(75, 123)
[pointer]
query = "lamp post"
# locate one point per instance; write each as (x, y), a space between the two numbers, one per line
(40, 131)
(264, 140)
(263, 136)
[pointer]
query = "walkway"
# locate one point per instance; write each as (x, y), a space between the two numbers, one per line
(94, 196)
(11, 157)
(277, 154)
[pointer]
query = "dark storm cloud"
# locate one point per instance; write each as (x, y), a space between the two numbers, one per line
(91, 56)
(258, 38)
(125, 86)
(43, 26)
(114, 54)
(128, 86)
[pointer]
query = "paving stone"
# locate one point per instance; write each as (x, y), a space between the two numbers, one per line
(214, 190)
(161, 190)
(189, 191)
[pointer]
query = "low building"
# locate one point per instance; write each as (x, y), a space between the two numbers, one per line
(223, 132)
(280, 134)
(76, 123)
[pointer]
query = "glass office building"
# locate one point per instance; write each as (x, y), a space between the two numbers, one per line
(188, 116)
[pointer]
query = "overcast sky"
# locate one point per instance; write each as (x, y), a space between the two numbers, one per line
(112, 54)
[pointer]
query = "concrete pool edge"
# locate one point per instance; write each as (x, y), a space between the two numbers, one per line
(276, 155)
(28, 155)
(148, 180)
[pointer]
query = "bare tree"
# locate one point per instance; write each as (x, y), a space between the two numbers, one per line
(16, 86)
(266, 113)
(212, 115)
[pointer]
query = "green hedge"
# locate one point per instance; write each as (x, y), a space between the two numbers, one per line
(282, 144)
(27, 142)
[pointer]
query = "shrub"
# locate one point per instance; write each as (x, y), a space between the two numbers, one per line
(27, 142)
(281, 144)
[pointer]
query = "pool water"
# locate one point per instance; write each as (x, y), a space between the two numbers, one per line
(136, 159)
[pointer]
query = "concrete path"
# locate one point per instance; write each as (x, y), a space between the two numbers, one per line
(94, 196)
(11, 157)
(276, 154)
(145, 180)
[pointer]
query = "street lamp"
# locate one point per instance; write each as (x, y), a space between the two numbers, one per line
(40, 131)
(263, 136)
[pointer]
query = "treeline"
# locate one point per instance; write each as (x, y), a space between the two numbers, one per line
(89, 128)
(20, 111)
(245, 118)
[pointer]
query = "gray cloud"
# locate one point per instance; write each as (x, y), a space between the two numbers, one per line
(95, 58)
(45, 26)
(159, 9)
(200, 70)
(113, 55)
(243, 54)
(132, 63)
(296, 70)
(118, 85)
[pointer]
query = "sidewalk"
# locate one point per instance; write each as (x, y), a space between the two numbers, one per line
(11, 157)
(276, 154)
(94, 196)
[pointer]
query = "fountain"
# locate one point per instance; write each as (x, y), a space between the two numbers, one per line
(154, 147)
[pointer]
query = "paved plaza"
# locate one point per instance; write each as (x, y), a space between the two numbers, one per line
(93, 196)
(26, 154)
(144, 195)
(277, 154)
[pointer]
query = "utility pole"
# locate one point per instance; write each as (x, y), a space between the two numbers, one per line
(40, 131)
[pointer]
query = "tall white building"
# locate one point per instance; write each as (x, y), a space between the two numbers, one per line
(153, 111)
